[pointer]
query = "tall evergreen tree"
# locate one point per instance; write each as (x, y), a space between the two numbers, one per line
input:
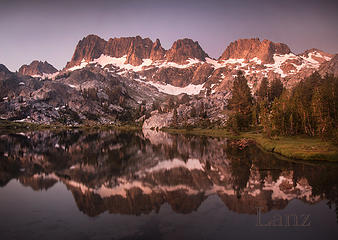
(263, 90)
(276, 89)
(241, 102)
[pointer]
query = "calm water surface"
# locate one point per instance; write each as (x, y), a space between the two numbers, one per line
(151, 185)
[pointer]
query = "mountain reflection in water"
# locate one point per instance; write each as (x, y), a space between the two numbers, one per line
(136, 173)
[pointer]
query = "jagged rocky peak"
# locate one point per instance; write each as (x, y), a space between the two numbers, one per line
(4, 69)
(134, 48)
(4, 72)
(183, 49)
(157, 51)
(140, 49)
(37, 68)
(118, 47)
(88, 48)
(251, 48)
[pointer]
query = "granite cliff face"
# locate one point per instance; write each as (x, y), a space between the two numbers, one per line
(157, 51)
(251, 48)
(37, 68)
(134, 48)
(183, 49)
(88, 48)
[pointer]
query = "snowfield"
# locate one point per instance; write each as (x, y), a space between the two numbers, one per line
(191, 89)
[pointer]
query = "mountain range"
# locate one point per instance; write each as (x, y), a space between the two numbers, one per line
(105, 80)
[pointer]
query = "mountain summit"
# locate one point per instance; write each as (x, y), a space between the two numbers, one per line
(183, 49)
(251, 48)
(37, 68)
(135, 49)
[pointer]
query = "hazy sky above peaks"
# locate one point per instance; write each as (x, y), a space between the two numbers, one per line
(49, 30)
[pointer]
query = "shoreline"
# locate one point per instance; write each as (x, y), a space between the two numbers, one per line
(295, 147)
(7, 127)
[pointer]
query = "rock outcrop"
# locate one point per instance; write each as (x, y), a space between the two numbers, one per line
(158, 121)
(157, 51)
(4, 72)
(37, 68)
(4, 69)
(179, 77)
(183, 49)
(88, 48)
(134, 48)
(330, 67)
(251, 48)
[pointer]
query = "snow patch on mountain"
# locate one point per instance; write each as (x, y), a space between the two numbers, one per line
(278, 61)
(224, 63)
(191, 89)
(82, 65)
(46, 75)
(166, 64)
(105, 60)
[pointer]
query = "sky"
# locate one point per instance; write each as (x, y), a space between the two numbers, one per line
(49, 30)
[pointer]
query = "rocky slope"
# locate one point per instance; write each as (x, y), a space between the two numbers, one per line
(37, 69)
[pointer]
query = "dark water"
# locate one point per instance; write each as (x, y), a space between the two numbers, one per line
(150, 185)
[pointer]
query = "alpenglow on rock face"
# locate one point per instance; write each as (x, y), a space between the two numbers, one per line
(186, 63)
(183, 49)
(135, 49)
(251, 48)
(37, 68)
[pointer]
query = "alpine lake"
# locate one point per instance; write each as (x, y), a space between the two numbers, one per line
(114, 184)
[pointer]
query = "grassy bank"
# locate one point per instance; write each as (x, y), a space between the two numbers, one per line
(296, 147)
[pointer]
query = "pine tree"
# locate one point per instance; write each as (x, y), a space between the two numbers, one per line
(241, 101)
(263, 91)
(276, 89)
